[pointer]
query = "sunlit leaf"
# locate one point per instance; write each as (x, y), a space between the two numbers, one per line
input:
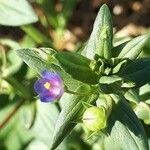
(16, 13)
(71, 112)
(124, 127)
(100, 41)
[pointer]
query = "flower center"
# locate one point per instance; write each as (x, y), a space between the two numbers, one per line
(47, 85)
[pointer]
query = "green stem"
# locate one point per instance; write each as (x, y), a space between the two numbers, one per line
(11, 114)
(37, 35)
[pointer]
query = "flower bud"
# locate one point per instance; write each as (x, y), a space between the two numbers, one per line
(95, 118)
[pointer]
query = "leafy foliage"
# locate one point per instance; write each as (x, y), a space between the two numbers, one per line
(124, 127)
(19, 13)
(134, 47)
(136, 70)
(73, 63)
(70, 112)
(112, 78)
(100, 41)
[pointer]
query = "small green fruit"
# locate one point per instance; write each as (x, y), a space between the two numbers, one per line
(95, 118)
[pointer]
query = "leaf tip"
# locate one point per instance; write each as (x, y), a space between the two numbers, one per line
(104, 6)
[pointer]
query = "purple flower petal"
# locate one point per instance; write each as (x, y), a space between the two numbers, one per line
(50, 87)
(46, 98)
(47, 74)
(53, 77)
(39, 85)
(56, 92)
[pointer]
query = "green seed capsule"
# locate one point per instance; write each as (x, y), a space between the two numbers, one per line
(95, 118)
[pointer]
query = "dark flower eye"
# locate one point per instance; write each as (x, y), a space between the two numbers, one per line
(49, 87)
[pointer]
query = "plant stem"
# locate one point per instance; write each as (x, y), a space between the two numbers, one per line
(11, 114)
(37, 36)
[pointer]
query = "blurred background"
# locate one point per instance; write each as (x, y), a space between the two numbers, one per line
(130, 18)
(63, 25)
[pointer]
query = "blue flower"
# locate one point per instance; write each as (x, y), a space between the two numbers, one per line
(50, 87)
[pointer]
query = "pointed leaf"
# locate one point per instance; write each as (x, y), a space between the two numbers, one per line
(119, 66)
(142, 110)
(132, 96)
(36, 59)
(137, 71)
(134, 47)
(109, 79)
(77, 66)
(100, 41)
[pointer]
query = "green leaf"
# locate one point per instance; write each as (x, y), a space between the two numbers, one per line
(142, 110)
(144, 93)
(16, 13)
(18, 134)
(100, 41)
(12, 65)
(44, 121)
(137, 71)
(42, 59)
(35, 59)
(138, 95)
(49, 11)
(70, 113)
(18, 87)
(119, 66)
(77, 66)
(125, 129)
(109, 79)
(37, 36)
(117, 49)
(120, 39)
(13, 135)
(133, 48)
(10, 43)
(68, 7)
(27, 41)
(132, 96)
(146, 52)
